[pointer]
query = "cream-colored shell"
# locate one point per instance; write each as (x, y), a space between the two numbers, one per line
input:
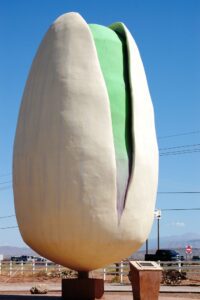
(64, 159)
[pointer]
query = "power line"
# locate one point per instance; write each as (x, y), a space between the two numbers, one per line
(5, 188)
(5, 175)
(9, 227)
(5, 217)
(183, 209)
(181, 152)
(182, 146)
(185, 149)
(5, 182)
(179, 134)
(185, 192)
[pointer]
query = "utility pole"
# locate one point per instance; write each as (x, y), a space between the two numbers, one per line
(147, 246)
(157, 215)
(158, 228)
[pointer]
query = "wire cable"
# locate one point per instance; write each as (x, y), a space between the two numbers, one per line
(182, 146)
(5, 175)
(6, 188)
(181, 152)
(5, 182)
(5, 217)
(181, 209)
(179, 134)
(185, 192)
(9, 227)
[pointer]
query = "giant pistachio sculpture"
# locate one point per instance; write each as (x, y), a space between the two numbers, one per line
(85, 155)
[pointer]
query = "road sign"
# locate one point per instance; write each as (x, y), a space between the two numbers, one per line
(188, 249)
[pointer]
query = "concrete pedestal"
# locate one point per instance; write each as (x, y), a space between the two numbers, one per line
(82, 289)
(145, 278)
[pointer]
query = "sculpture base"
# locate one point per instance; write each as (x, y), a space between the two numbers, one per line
(82, 289)
(145, 283)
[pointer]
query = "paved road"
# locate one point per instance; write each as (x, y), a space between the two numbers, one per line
(113, 296)
(8, 291)
(163, 289)
(108, 288)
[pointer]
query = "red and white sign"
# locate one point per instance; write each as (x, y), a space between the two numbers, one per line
(188, 249)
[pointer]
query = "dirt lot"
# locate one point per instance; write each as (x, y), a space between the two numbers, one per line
(191, 280)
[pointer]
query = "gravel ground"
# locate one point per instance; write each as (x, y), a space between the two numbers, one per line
(107, 296)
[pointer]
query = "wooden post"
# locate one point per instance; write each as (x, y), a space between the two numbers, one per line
(59, 268)
(104, 274)
(46, 266)
(33, 267)
(22, 267)
(121, 271)
(10, 268)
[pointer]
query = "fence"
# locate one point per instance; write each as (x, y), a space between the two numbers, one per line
(9, 268)
(115, 273)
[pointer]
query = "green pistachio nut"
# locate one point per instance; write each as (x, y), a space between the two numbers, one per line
(85, 156)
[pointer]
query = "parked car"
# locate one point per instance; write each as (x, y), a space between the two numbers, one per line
(25, 258)
(195, 258)
(15, 258)
(164, 255)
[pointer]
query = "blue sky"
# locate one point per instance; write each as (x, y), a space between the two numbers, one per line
(167, 34)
